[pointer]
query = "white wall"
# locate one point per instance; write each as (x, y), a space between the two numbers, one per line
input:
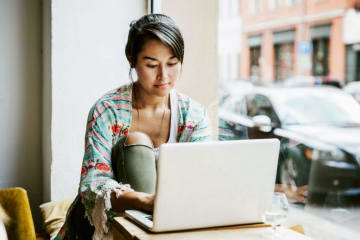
(20, 98)
(198, 22)
(87, 59)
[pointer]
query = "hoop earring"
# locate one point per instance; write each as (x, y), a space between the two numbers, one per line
(131, 73)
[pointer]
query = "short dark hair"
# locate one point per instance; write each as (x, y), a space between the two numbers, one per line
(154, 26)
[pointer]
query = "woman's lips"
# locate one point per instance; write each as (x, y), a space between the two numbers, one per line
(162, 85)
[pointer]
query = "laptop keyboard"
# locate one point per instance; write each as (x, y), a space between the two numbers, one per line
(149, 217)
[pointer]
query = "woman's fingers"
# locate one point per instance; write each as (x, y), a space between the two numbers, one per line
(293, 193)
(303, 190)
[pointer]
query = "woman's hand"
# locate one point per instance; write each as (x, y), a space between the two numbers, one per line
(144, 201)
(132, 200)
(293, 193)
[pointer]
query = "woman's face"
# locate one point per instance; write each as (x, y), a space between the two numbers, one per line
(157, 68)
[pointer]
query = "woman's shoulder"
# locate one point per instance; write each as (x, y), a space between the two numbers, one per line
(122, 93)
(190, 108)
(193, 124)
(118, 97)
(114, 104)
(187, 103)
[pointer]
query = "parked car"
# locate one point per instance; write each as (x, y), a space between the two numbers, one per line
(319, 129)
(353, 88)
(309, 81)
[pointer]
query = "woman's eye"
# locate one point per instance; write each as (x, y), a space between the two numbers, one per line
(172, 64)
(151, 66)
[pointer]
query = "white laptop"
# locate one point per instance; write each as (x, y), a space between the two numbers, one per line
(211, 184)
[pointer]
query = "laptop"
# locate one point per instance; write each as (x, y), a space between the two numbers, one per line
(210, 184)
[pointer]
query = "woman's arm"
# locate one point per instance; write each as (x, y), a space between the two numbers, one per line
(132, 200)
(97, 184)
(202, 130)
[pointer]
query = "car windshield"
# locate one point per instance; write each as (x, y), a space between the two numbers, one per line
(323, 107)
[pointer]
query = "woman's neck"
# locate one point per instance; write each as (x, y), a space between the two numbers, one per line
(143, 100)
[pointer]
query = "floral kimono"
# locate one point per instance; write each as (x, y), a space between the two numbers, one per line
(110, 119)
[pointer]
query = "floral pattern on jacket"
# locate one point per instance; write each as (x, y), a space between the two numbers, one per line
(110, 119)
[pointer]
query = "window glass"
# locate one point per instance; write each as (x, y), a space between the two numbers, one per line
(254, 7)
(299, 65)
(255, 53)
(291, 2)
(284, 61)
(274, 4)
(320, 57)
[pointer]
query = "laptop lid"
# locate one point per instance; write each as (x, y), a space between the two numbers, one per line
(209, 184)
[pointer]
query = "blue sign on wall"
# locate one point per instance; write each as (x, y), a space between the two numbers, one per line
(304, 47)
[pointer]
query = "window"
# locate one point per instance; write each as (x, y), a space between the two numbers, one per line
(254, 43)
(321, 57)
(289, 49)
(254, 7)
(290, 3)
(284, 61)
(255, 53)
(274, 4)
(320, 35)
(284, 54)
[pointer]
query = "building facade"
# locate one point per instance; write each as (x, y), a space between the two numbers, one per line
(229, 40)
(285, 38)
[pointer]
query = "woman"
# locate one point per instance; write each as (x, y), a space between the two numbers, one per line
(126, 127)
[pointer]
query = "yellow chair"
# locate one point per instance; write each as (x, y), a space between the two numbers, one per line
(16, 204)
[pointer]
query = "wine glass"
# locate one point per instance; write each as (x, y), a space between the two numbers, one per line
(277, 213)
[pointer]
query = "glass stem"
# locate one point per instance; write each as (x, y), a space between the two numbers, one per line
(274, 231)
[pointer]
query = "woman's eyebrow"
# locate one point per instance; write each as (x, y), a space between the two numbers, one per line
(154, 59)
(150, 58)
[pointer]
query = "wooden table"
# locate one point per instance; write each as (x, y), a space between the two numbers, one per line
(125, 229)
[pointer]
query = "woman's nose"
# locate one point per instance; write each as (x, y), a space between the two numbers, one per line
(162, 74)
